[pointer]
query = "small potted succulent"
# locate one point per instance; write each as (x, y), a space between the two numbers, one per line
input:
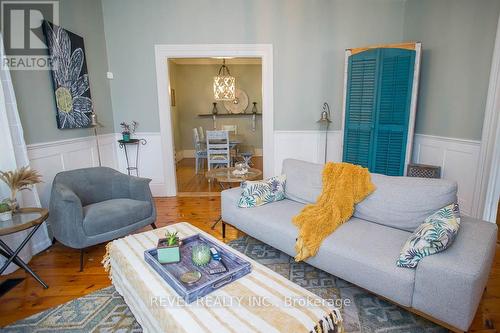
(5, 211)
(128, 129)
(169, 248)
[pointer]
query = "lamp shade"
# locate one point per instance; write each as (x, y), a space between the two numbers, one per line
(324, 118)
(224, 88)
(325, 114)
(224, 84)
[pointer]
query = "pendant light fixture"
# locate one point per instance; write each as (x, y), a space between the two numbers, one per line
(224, 84)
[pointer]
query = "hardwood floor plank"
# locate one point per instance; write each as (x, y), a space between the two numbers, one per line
(189, 183)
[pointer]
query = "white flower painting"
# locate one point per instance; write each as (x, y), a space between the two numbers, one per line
(69, 77)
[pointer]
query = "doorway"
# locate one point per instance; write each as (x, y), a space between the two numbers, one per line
(164, 53)
(194, 111)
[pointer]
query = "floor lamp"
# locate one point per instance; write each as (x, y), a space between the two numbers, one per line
(325, 120)
(94, 123)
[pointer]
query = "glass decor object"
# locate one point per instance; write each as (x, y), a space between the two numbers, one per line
(224, 84)
(214, 109)
(254, 108)
(201, 254)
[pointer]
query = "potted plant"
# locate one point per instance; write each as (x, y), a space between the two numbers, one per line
(5, 211)
(128, 129)
(17, 180)
(169, 248)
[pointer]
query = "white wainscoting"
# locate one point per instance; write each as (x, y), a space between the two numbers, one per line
(150, 161)
(307, 146)
(458, 159)
(49, 158)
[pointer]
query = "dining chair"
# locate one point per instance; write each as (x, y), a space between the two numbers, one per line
(218, 153)
(200, 152)
(201, 134)
(230, 128)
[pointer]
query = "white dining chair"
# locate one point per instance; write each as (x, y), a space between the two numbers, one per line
(200, 152)
(218, 153)
(230, 128)
(201, 134)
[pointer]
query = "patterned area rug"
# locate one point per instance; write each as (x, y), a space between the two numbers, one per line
(105, 310)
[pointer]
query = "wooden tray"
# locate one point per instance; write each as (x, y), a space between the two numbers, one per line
(171, 273)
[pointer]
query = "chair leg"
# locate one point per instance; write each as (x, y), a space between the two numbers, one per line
(196, 162)
(153, 225)
(81, 260)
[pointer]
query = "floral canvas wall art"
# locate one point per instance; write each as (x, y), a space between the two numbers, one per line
(69, 77)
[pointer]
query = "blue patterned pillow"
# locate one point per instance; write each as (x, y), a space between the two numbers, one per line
(434, 235)
(258, 193)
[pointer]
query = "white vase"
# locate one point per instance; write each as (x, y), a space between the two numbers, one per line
(5, 216)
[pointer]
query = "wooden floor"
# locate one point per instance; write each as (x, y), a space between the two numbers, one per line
(188, 182)
(59, 266)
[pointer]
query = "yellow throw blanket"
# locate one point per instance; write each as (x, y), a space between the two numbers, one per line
(344, 185)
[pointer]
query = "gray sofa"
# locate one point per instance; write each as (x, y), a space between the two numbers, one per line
(445, 287)
(94, 205)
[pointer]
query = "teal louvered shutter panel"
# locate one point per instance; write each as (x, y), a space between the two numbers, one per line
(360, 103)
(393, 111)
(379, 88)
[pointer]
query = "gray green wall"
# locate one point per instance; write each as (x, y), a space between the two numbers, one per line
(457, 37)
(34, 94)
(309, 38)
(194, 95)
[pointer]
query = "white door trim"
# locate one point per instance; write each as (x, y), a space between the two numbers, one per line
(165, 51)
(484, 200)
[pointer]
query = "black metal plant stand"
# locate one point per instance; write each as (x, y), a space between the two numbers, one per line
(136, 142)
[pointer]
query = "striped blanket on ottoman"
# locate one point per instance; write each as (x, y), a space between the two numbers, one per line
(262, 301)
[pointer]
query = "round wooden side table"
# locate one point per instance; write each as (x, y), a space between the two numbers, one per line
(23, 219)
(226, 178)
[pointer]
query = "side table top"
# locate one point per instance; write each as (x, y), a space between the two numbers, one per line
(225, 175)
(23, 219)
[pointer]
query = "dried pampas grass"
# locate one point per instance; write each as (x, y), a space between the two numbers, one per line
(18, 180)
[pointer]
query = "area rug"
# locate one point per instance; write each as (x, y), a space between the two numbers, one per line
(105, 310)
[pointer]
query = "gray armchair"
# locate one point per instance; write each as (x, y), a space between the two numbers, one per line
(94, 205)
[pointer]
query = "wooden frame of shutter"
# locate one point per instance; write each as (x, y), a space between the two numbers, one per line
(417, 46)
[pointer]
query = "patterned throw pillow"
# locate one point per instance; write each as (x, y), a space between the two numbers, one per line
(434, 235)
(258, 193)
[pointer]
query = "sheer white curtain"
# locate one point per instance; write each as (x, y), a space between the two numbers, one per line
(13, 154)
